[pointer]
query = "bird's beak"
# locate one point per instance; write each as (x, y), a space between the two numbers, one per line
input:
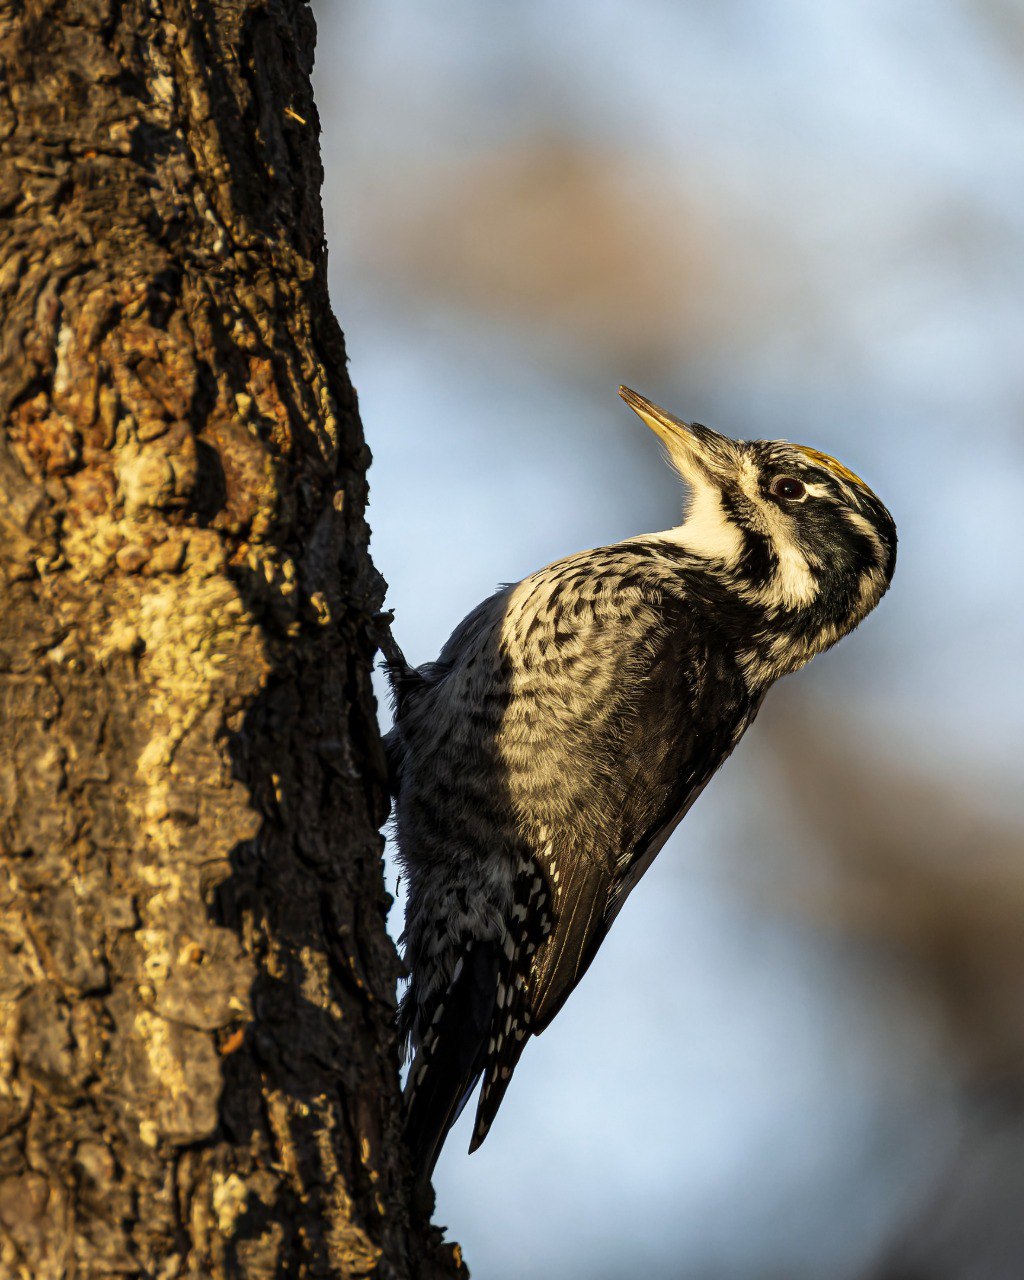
(698, 453)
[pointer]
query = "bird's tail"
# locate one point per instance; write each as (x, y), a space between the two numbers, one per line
(451, 1055)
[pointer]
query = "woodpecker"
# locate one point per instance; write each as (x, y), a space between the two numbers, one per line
(571, 720)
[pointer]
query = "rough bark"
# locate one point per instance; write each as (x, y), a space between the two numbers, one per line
(198, 1073)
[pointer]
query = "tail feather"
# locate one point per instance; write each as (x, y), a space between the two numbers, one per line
(451, 1055)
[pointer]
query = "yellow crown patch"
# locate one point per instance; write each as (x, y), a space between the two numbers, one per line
(831, 464)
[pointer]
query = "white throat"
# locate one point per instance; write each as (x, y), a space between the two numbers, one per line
(707, 531)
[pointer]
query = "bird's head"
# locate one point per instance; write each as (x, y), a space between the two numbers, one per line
(792, 532)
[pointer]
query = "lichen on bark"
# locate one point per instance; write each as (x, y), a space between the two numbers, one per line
(197, 1062)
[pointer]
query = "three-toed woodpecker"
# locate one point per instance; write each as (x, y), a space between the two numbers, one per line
(541, 762)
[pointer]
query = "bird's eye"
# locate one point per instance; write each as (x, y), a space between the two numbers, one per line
(788, 487)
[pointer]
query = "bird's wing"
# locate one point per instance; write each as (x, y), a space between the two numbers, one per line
(512, 1020)
(479, 1026)
(668, 740)
(574, 936)
(679, 727)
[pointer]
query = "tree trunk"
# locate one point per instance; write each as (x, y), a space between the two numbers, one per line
(198, 1071)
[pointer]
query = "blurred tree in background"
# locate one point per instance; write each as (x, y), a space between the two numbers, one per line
(198, 1072)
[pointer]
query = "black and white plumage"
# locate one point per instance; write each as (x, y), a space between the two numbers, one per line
(541, 762)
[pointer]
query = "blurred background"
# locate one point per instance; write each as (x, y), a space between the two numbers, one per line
(800, 1054)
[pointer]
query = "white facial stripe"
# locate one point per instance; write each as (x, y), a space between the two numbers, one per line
(793, 583)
